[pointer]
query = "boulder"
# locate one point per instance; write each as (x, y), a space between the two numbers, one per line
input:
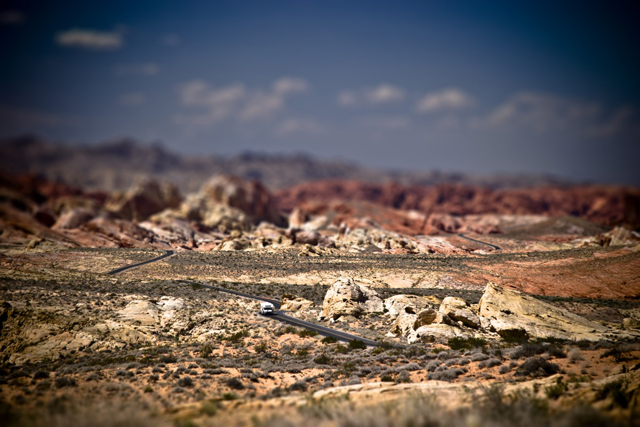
(396, 304)
(345, 297)
(436, 333)
(425, 317)
(512, 313)
(457, 310)
(405, 322)
(297, 217)
(290, 303)
(141, 312)
(74, 218)
(145, 198)
(249, 197)
(308, 237)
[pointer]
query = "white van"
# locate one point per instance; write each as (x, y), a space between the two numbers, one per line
(267, 308)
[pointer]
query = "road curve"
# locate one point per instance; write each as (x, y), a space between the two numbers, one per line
(127, 267)
(281, 317)
(497, 248)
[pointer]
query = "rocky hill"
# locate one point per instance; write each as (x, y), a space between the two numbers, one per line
(115, 165)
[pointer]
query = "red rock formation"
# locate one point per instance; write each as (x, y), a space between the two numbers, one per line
(606, 205)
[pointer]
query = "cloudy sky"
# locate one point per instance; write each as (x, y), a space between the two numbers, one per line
(477, 87)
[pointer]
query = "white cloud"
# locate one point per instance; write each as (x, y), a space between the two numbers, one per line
(294, 125)
(12, 17)
(382, 94)
(90, 39)
(171, 40)
(132, 99)
(444, 100)
(347, 98)
(544, 113)
(236, 101)
(287, 85)
(146, 69)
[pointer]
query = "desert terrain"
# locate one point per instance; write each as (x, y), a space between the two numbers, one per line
(487, 306)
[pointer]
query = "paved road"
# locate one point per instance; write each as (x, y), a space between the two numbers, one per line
(127, 267)
(497, 248)
(279, 316)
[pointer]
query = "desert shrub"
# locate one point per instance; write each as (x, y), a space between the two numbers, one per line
(329, 340)
(617, 353)
(575, 355)
(206, 350)
(527, 350)
(302, 352)
(147, 389)
(209, 408)
(307, 333)
(185, 381)
(177, 390)
(123, 373)
(403, 377)
(237, 337)
(556, 352)
(354, 380)
(558, 389)
(537, 367)
(504, 369)
(446, 355)
(290, 330)
(93, 377)
(168, 359)
(617, 391)
(261, 347)
(458, 343)
(154, 377)
(386, 378)
(62, 382)
(323, 359)
(433, 365)
(38, 375)
(489, 363)
(234, 383)
(356, 345)
(341, 349)
(479, 357)
(447, 374)
(409, 367)
(299, 386)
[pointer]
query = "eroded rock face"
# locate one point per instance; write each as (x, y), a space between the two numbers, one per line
(347, 298)
(74, 218)
(436, 332)
(250, 197)
(457, 310)
(396, 304)
(144, 199)
(295, 303)
(507, 311)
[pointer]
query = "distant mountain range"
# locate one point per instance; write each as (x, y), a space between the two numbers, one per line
(115, 165)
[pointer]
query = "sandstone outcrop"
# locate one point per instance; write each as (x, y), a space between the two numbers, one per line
(509, 312)
(144, 199)
(457, 310)
(347, 298)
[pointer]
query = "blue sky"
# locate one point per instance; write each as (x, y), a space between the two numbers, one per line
(477, 87)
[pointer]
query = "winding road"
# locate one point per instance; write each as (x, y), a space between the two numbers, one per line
(279, 316)
(497, 248)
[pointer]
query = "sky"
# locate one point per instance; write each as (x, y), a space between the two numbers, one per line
(545, 87)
